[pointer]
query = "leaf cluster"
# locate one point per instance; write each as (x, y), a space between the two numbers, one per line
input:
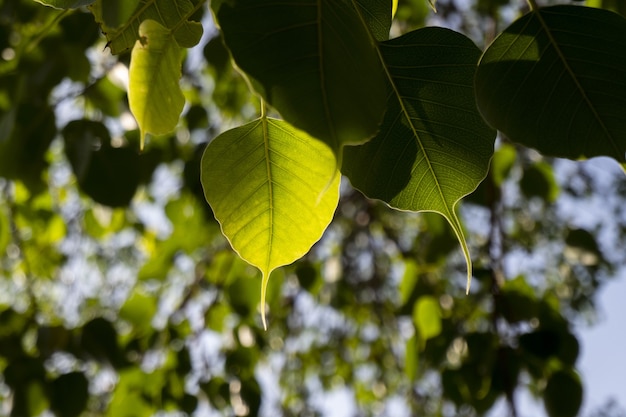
(317, 91)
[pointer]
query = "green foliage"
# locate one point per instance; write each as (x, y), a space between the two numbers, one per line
(433, 147)
(275, 196)
(549, 67)
(114, 268)
(155, 98)
(315, 62)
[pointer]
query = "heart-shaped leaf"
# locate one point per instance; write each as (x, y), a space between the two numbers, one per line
(433, 147)
(313, 60)
(273, 189)
(154, 95)
(555, 81)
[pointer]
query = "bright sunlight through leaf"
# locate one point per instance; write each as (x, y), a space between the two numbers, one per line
(273, 190)
(154, 95)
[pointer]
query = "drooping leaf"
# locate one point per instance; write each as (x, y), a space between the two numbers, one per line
(154, 95)
(433, 147)
(554, 81)
(65, 4)
(273, 189)
(120, 21)
(313, 60)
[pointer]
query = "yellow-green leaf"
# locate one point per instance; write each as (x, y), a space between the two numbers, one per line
(154, 95)
(427, 318)
(273, 189)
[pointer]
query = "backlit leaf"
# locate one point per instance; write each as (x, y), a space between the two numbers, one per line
(433, 147)
(554, 81)
(154, 95)
(273, 189)
(377, 15)
(427, 318)
(313, 60)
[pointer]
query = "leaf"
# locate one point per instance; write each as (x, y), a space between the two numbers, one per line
(554, 81)
(377, 15)
(65, 4)
(427, 318)
(108, 175)
(121, 19)
(273, 190)
(433, 147)
(154, 95)
(313, 60)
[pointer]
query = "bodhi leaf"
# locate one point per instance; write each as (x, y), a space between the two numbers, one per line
(554, 81)
(313, 60)
(433, 147)
(120, 20)
(154, 95)
(273, 189)
(65, 4)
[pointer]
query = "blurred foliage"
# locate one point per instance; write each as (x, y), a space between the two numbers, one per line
(119, 295)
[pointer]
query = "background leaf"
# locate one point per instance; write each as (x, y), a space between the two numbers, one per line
(313, 60)
(554, 81)
(120, 22)
(433, 147)
(154, 95)
(273, 189)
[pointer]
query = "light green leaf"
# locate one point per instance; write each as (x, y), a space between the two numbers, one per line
(154, 95)
(273, 189)
(313, 60)
(427, 318)
(120, 20)
(554, 81)
(433, 147)
(65, 4)
(5, 230)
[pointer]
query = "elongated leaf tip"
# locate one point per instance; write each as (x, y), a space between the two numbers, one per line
(469, 282)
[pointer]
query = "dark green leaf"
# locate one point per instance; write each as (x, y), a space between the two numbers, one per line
(563, 395)
(108, 175)
(377, 15)
(312, 60)
(433, 147)
(70, 393)
(554, 81)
